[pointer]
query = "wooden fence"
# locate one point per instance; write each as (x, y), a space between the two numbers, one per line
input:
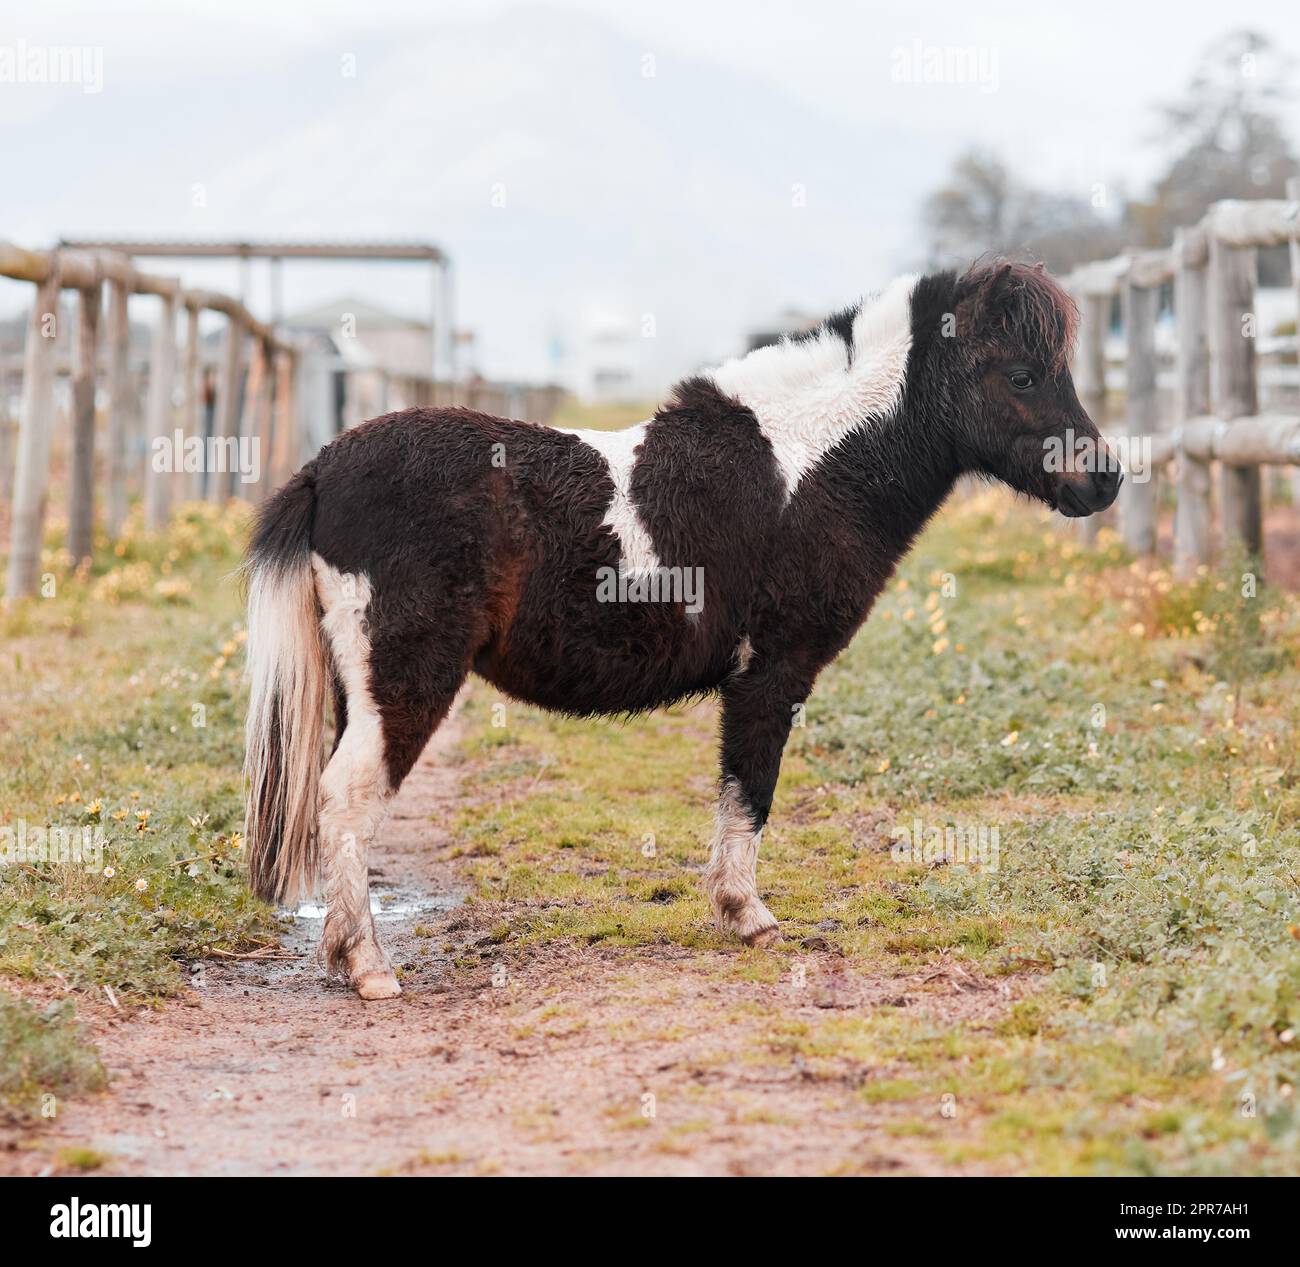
(1212, 267)
(266, 387)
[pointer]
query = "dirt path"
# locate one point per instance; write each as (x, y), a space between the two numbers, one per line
(555, 1059)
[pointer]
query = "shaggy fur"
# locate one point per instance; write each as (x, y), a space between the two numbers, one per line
(792, 481)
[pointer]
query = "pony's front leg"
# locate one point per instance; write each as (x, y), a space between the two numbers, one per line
(758, 708)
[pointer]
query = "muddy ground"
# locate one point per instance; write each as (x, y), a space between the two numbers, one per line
(556, 1059)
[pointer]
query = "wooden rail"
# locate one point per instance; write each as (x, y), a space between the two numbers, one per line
(267, 389)
(1212, 267)
(87, 273)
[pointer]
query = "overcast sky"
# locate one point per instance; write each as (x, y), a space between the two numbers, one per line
(705, 163)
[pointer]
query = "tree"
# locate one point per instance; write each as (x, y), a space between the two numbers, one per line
(982, 208)
(1225, 137)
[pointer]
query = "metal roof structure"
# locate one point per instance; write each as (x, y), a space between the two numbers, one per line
(442, 295)
(178, 248)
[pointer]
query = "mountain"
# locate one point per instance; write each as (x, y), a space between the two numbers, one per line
(570, 172)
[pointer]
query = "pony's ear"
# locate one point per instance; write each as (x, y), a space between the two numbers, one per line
(988, 299)
(997, 291)
(1021, 303)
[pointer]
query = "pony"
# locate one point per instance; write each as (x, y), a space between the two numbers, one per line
(732, 544)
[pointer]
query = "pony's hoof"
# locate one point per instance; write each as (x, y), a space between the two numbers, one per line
(376, 985)
(751, 921)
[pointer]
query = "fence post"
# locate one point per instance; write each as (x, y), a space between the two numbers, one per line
(81, 470)
(1193, 519)
(8, 437)
(266, 417)
(227, 416)
(1090, 377)
(119, 400)
(283, 460)
(35, 422)
(250, 422)
(191, 419)
(162, 383)
(1231, 298)
(1138, 513)
(1293, 192)
(35, 433)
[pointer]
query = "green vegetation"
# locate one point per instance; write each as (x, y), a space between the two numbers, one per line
(1113, 990)
(572, 413)
(123, 734)
(41, 1054)
(1123, 737)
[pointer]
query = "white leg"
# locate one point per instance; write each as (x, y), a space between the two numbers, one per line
(354, 793)
(731, 879)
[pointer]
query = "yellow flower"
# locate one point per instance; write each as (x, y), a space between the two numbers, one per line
(940, 646)
(883, 767)
(1010, 740)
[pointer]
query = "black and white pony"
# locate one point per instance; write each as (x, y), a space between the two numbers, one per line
(784, 486)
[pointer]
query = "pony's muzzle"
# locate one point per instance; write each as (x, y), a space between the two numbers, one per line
(1076, 498)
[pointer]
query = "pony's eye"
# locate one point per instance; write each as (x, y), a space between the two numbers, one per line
(1021, 380)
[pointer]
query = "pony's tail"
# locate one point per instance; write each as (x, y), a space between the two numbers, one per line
(288, 674)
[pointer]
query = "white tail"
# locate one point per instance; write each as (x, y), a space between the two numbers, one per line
(286, 719)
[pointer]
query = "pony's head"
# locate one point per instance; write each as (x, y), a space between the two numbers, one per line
(1014, 411)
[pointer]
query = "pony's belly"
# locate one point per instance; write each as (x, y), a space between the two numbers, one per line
(624, 664)
(593, 698)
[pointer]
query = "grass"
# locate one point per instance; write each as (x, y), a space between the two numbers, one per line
(1114, 747)
(43, 1058)
(122, 738)
(608, 416)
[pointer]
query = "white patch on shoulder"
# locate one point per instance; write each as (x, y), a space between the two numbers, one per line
(807, 397)
(618, 448)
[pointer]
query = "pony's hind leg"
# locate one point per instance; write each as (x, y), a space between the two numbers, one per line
(354, 791)
(397, 680)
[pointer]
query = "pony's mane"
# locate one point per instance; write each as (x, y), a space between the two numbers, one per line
(1022, 303)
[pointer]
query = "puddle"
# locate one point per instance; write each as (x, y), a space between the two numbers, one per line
(388, 906)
